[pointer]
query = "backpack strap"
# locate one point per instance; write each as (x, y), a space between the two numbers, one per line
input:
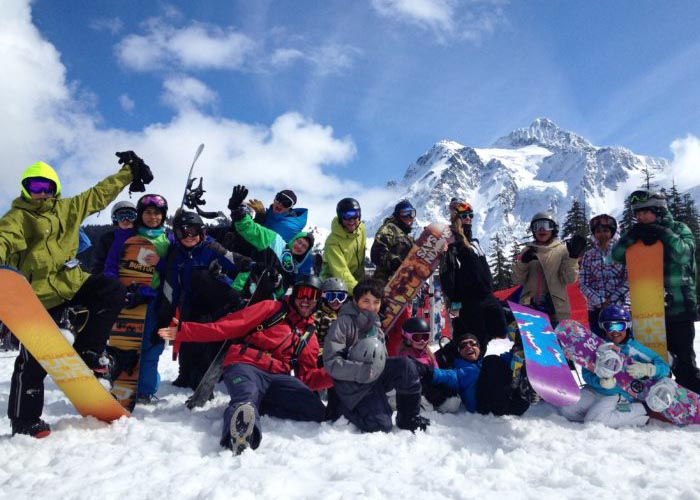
(302, 342)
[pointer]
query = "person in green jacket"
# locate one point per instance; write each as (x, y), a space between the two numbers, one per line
(655, 223)
(39, 237)
(344, 251)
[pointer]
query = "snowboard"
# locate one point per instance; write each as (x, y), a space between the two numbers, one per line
(645, 271)
(546, 365)
(127, 333)
(420, 263)
(23, 313)
(580, 345)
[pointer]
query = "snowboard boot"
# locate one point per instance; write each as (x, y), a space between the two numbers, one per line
(412, 422)
(525, 389)
(243, 433)
(408, 412)
(34, 428)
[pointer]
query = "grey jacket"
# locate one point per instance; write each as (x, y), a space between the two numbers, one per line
(350, 378)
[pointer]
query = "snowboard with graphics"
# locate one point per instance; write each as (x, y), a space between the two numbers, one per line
(22, 312)
(127, 332)
(645, 271)
(580, 346)
(547, 369)
(420, 263)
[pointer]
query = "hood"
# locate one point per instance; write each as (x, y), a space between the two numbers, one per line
(40, 169)
(364, 320)
(302, 213)
(306, 235)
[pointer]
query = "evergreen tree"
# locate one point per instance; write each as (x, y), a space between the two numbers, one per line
(674, 202)
(627, 220)
(501, 266)
(576, 221)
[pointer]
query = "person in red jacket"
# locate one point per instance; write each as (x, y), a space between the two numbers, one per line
(270, 340)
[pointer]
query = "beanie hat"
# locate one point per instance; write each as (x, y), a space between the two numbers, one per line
(285, 197)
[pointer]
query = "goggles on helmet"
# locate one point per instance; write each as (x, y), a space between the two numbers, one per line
(542, 225)
(124, 215)
(40, 185)
(408, 212)
(603, 220)
(187, 231)
(350, 215)
(306, 292)
(153, 199)
(335, 296)
(614, 326)
(419, 336)
(640, 196)
(284, 200)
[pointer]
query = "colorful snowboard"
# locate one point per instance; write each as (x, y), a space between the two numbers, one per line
(645, 270)
(127, 333)
(416, 268)
(22, 312)
(580, 345)
(547, 368)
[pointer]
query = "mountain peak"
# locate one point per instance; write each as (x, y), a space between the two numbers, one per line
(543, 132)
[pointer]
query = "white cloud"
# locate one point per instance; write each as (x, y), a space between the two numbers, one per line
(184, 92)
(685, 166)
(435, 14)
(325, 60)
(112, 25)
(127, 103)
(197, 46)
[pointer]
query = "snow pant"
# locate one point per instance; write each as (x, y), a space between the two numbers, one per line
(152, 347)
(611, 410)
(275, 394)
(373, 413)
(593, 316)
(494, 391)
(104, 297)
(194, 359)
(680, 335)
(484, 318)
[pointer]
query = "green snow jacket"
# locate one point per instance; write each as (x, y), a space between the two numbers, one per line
(344, 254)
(39, 236)
(679, 267)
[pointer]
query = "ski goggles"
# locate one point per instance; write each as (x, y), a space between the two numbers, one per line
(124, 215)
(542, 225)
(350, 215)
(40, 186)
(284, 200)
(419, 336)
(306, 292)
(641, 196)
(335, 296)
(614, 326)
(468, 343)
(603, 221)
(153, 199)
(187, 231)
(408, 212)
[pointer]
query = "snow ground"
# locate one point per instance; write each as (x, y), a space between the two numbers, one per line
(168, 451)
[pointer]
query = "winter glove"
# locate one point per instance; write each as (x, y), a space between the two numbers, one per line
(237, 196)
(655, 232)
(238, 213)
(641, 370)
(257, 206)
(425, 372)
(575, 246)
(218, 248)
(607, 383)
(140, 172)
(529, 255)
(243, 263)
(217, 273)
(138, 294)
(607, 362)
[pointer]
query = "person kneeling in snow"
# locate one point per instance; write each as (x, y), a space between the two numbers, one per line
(354, 355)
(270, 339)
(602, 400)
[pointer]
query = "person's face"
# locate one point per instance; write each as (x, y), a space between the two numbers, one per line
(369, 302)
(617, 335)
(41, 196)
(469, 350)
(190, 241)
(300, 246)
(645, 216)
(125, 224)
(305, 306)
(543, 236)
(152, 217)
(407, 216)
(278, 208)
(350, 225)
(602, 234)
(333, 299)
(465, 218)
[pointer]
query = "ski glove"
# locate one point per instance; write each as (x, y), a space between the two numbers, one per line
(576, 245)
(138, 294)
(607, 362)
(608, 383)
(140, 172)
(238, 213)
(257, 206)
(529, 255)
(237, 196)
(641, 370)
(425, 372)
(654, 232)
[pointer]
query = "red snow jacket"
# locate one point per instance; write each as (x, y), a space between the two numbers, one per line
(270, 349)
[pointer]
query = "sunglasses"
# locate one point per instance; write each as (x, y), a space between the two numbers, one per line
(306, 292)
(614, 326)
(125, 215)
(465, 215)
(350, 215)
(468, 343)
(420, 337)
(39, 186)
(153, 199)
(335, 296)
(284, 200)
(183, 232)
(542, 224)
(408, 212)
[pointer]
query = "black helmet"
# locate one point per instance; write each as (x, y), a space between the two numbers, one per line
(652, 200)
(347, 205)
(604, 220)
(151, 200)
(547, 216)
(304, 283)
(184, 220)
(415, 325)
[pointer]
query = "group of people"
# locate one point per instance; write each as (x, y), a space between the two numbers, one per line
(295, 338)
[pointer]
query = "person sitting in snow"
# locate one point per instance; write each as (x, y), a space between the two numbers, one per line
(282, 216)
(270, 340)
(602, 400)
(334, 295)
(354, 355)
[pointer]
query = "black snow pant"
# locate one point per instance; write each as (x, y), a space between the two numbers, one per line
(277, 395)
(484, 318)
(104, 298)
(494, 393)
(194, 359)
(680, 335)
(373, 412)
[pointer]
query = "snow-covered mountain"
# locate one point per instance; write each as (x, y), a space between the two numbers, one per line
(541, 167)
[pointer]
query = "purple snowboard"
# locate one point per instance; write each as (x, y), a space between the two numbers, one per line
(547, 369)
(580, 345)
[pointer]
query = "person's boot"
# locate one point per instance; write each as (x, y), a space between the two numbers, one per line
(408, 412)
(242, 431)
(34, 428)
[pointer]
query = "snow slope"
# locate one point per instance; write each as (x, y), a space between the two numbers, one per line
(167, 451)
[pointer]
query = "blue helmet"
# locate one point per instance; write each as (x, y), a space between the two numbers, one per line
(614, 314)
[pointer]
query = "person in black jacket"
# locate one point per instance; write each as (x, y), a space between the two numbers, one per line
(466, 279)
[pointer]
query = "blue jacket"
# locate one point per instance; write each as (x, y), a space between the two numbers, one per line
(287, 224)
(637, 352)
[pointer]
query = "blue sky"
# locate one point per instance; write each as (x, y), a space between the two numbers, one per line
(334, 98)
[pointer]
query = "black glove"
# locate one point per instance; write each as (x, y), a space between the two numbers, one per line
(237, 197)
(140, 172)
(648, 233)
(425, 372)
(657, 231)
(215, 269)
(575, 246)
(218, 248)
(529, 255)
(239, 213)
(138, 294)
(243, 263)
(635, 232)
